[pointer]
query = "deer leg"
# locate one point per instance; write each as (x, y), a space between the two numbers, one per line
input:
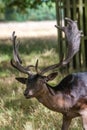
(83, 114)
(66, 122)
(84, 118)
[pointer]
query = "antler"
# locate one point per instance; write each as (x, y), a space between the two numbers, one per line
(16, 63)
(73, 36)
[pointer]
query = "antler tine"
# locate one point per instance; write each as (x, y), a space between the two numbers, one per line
(36, 66)
(16, 63)
(15, 48)
(20, 68)
(59, 27)
(68, 20)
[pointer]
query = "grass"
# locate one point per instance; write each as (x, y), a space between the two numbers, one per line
(17, 113)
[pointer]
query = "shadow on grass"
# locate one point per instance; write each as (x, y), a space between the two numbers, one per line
(27, 46)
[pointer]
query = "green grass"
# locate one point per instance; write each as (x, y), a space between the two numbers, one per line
(17, 113)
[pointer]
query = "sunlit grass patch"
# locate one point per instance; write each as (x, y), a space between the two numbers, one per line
(4, 57)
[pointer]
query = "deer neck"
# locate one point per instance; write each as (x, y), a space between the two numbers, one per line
(51, 100)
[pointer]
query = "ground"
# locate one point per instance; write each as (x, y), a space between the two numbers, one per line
(28, 29)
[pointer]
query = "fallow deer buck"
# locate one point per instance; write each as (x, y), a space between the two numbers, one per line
(69, 97)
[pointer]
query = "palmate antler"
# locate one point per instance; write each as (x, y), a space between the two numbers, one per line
(73, 36)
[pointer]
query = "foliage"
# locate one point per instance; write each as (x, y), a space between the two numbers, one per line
(24, 4)
(42, 12)
(21, 10)
(2, 7)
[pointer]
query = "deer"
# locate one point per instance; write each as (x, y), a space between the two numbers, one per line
(69, 96)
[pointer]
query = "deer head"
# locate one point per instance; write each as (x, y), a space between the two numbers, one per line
(36, 83)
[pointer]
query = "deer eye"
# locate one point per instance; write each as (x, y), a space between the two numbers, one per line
(42, 80)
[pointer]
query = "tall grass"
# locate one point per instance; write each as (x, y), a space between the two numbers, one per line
(17, 113)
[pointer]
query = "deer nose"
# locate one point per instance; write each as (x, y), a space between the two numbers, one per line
(25, 93)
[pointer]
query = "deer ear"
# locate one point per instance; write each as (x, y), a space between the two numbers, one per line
(21, 80)
(52, 76)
